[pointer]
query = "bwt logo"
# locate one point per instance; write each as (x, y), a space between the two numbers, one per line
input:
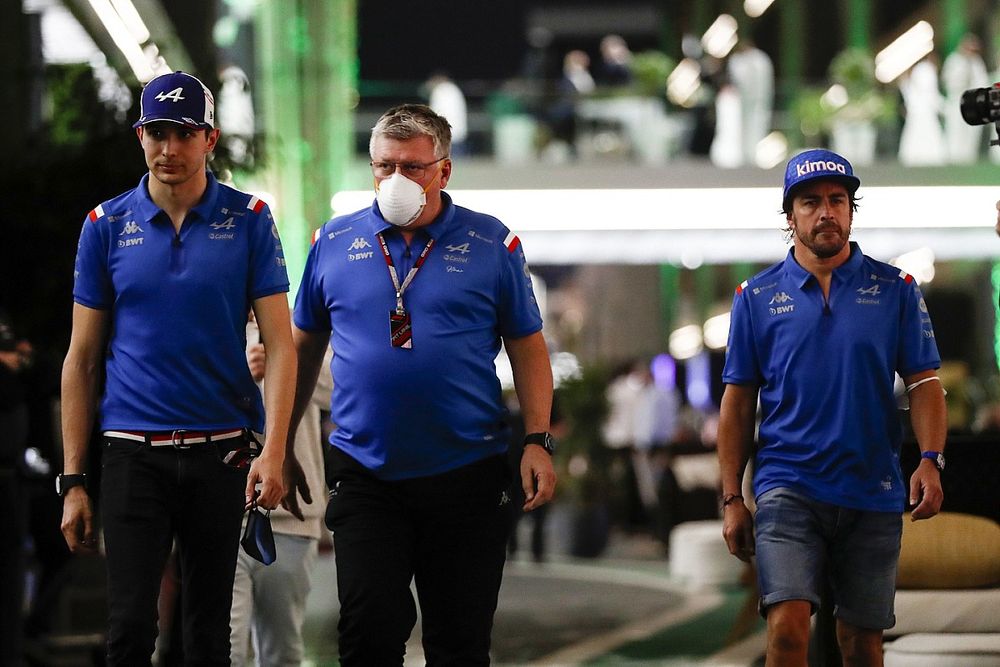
(819, 165)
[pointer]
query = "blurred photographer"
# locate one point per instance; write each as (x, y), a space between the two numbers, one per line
(14, 358)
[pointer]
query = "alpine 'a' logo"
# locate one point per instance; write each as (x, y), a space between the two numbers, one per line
(227, 224)
(174, 95)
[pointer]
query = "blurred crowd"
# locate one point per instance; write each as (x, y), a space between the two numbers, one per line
(612, 102)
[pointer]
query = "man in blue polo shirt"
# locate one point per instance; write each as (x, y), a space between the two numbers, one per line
(165, 276)
(418, 294)
(819, 338)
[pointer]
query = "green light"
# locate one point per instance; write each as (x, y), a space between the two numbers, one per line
(995, 280)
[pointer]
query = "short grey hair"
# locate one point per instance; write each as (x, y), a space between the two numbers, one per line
(409, 121)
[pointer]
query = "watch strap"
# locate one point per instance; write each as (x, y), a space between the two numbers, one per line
(66, 482)
(543, 439)
(937, 458)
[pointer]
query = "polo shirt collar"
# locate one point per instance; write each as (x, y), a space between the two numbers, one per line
(795, 271)
(435, 230)
(147, 209)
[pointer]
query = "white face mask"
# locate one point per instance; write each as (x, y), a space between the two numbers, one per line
(400, 200)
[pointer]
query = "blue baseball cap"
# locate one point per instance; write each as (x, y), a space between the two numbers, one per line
(177, 97)
(817, 163)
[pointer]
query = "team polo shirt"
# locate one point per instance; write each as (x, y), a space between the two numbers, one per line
(178, 304)
(405, 413)
(829, 423)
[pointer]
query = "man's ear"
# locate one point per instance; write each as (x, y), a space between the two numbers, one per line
(445, 173)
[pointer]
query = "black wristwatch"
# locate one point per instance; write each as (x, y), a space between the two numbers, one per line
(66, 482)
(544, 440)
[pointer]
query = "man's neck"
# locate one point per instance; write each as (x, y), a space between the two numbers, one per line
(178, 200)
(821, 268)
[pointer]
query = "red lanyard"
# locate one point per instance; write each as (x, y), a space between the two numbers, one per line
(401, 288)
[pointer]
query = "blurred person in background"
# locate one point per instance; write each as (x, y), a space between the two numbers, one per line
(963, 69)
(418, 295)
(13, 440)
(615, 67)
(447, 100)
(165, 276)
(269, 601)
(818, 338)
(752, 72)
(921, 142)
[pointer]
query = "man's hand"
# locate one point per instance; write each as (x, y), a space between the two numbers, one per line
(257, 361)
(295, 483)
(737, 529)
(925, 491)
(538, 477)
(267, 471)
(78, 521)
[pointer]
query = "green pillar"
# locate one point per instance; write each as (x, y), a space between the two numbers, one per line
(954, 24)
(791, 56)
(857, 16)
(670, 289)
(307, 65)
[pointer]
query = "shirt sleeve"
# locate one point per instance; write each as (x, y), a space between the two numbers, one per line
(519, 315)
(269, 274)
(311, 312)
(92, 285)
(742, 365)
(917, 346)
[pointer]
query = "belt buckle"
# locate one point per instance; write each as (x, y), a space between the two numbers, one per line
(174, 437)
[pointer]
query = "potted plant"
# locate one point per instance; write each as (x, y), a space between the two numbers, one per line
(584, 461)
(848, 111)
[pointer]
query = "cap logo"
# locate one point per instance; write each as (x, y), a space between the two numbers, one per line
(174, 95)
(819, 165)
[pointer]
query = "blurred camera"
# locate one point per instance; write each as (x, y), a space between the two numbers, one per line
(982, 105)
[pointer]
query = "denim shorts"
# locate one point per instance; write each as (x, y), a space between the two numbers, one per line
(800, 541)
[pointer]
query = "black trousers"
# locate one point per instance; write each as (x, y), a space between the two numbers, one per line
(149, 497)
(447, 533)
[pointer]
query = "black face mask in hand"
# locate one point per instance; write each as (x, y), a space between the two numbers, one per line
(258, 540)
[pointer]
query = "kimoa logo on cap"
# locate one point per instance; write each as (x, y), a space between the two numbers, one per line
(819, 165)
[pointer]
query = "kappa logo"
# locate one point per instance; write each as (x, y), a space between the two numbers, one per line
(174, 95)
(463, 248)
(780, 297)
(360, 243)
(131, 227)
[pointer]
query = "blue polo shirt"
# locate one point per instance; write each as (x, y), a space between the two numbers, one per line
(176, 357)
(829, 423)
(405, 413)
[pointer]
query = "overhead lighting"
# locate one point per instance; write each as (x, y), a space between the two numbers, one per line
(771, 151)
(684, 82)
(720, 38)
(904, 52)
(716, 331)
(685, 342)
(130, 17)
(123, 39)
(834, 98)
(700, 209)
(755, 8)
